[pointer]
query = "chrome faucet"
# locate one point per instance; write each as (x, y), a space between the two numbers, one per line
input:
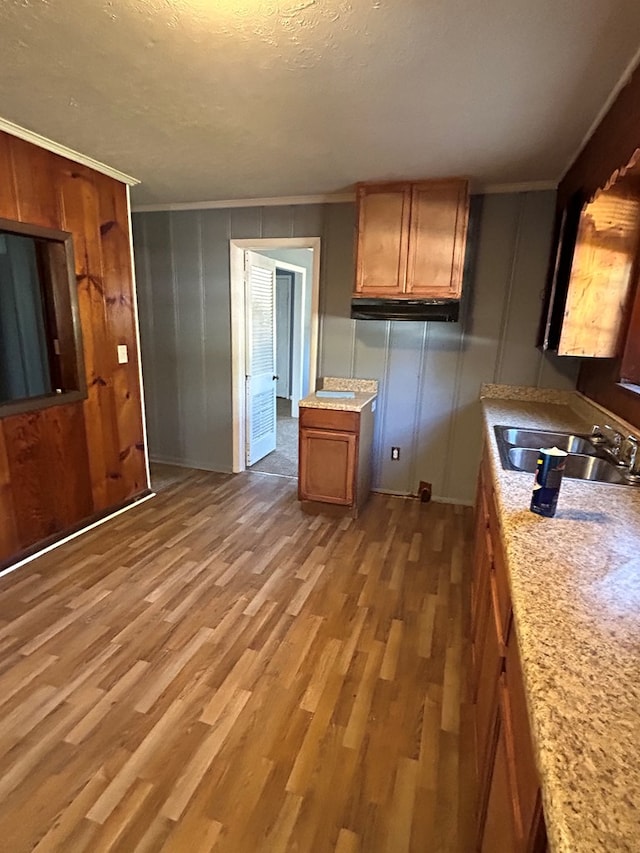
(630, 457)
(609, 437)
(623, 451)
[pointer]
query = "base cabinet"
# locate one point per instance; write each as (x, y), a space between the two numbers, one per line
(508, 806)
(335, 448)
(327, 465)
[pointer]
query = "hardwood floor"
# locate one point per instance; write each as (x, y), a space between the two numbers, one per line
(214, 670)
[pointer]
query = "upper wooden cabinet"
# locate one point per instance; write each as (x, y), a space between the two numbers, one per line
(411, 239)
(594, 270)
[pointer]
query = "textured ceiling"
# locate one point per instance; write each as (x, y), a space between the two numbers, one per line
(213, 99)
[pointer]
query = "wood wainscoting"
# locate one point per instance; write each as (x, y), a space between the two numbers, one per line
(64, 464)
(215, 670)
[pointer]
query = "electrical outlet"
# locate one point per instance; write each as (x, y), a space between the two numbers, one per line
(395, 454)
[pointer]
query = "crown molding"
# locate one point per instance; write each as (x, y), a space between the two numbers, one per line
(56, 148)
(328, 198)
(522, 187)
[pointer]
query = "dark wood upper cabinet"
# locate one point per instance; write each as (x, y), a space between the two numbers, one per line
(411, 239)
(593, 273)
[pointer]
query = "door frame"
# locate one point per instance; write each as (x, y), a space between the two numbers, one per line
(238, 316)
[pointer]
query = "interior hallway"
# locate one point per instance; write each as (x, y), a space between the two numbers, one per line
(214, 670)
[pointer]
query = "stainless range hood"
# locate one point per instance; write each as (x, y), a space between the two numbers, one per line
(420, 310)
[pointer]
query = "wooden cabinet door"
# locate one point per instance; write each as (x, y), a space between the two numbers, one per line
(482, 603)
(490, 666)
(500, 832)
(383, 238)
(437, 238)
(479, 539)
(526, 774)
(327, 466)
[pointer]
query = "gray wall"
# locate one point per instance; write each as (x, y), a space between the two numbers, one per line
(430, 373)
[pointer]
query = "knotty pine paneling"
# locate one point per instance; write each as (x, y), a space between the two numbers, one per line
(9, 539)
(430, 374)
(63, 465)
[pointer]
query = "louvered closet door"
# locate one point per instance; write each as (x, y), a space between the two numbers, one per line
(260, 283)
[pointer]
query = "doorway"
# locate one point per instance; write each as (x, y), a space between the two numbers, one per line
(295, 298)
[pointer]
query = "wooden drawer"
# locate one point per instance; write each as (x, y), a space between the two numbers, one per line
(329, 419)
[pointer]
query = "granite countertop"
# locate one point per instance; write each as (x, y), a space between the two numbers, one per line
(364, 391)
(575, 583)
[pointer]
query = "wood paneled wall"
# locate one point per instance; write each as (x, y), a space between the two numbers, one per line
(68, 464)
(610, 147)
(430, 373)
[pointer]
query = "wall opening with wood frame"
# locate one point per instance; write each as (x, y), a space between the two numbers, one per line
(72, 461)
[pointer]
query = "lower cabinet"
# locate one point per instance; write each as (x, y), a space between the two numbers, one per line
(508, 807)
(499, 831)
(327, 465)
(335, 449)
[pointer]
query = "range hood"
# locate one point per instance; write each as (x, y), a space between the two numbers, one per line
(421, 310)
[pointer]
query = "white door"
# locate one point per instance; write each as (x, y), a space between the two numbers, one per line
(260, 286)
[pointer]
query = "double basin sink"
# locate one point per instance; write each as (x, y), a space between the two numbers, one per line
(586, 460)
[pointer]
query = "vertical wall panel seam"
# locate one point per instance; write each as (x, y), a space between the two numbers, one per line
(506, 306)
(322, 296)
(14, 182)
(417, 412)
(383, 409)
(176, 335)
(149, 312)
(352, 366)
(454, 413)
(203, 347)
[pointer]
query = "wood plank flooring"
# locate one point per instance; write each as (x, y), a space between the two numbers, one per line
(214, 670)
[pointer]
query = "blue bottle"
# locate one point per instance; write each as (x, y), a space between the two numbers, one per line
(546, 486)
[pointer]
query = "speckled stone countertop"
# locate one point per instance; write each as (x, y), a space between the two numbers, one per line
(365, 390)
(575, 584)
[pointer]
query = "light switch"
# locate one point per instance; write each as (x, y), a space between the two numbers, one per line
(123, 354)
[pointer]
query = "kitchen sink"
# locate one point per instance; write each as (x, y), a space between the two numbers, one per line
(578, 466)
(586, 461)
(539, 438)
